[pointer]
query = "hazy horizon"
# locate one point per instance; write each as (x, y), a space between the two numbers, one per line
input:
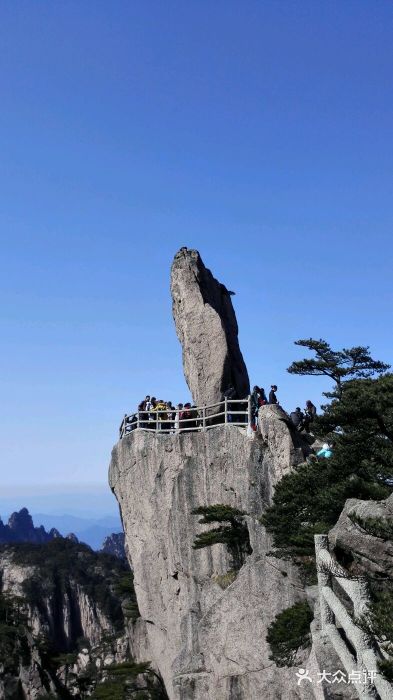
(53, 500)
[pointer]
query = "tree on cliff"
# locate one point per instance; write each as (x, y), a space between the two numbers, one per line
(234, 534)
(289, 632)
(131, 681)
(13, 633)
(339, 365)
(359, 423)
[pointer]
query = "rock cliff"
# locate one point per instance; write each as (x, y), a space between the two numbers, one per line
(207, 329)
(207, 640)
(64, 593)
(204, 625)
(362, 551)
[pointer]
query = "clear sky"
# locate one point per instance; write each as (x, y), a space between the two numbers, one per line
(259, 133)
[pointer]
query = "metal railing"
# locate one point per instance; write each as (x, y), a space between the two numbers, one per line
(352, 644)
(235, 412)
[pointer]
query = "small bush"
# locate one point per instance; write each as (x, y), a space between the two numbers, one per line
(234, 533)
(289, 632)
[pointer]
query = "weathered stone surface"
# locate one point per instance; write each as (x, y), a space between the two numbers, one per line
(114, 544)
(207, 329)
(202, 626)
(63, 614)
(369, 553)
(208, 643)
(285, 446)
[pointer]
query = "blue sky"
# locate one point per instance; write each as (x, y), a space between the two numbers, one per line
(259, 133)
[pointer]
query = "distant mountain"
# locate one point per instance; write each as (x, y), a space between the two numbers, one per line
(20, 528)
(92, 531)
(114, 544)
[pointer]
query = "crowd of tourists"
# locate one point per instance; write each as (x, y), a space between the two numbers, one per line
(157, 414)
(303, 419)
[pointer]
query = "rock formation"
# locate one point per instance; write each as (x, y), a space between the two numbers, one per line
(360, 550)
(207, 329)
(67, 593)
(20, 528)
(203, 625)
(114, 544)
(208, 641)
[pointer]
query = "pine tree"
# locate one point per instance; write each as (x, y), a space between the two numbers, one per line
(131, 681)
(339, 365)
(234, 534)
(289, 632)
(359, 423)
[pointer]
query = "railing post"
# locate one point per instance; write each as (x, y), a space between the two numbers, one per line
(249, 410)
(204, 418)
(137, 420)
(226, 409)
(322, 542)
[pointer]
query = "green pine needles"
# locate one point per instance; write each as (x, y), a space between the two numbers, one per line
(338, 365)
(358, 422)
(131, 681)
(289, 632)
(233, 531)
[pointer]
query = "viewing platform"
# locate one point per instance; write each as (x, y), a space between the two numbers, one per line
(234, 412)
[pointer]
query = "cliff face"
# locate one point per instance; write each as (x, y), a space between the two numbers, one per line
(207, 640)
(207, 329)
(202, 624)
(67, 593)
(362, 550)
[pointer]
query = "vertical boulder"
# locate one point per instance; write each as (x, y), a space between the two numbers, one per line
(207, 329)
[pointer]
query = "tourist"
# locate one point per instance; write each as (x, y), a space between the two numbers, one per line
(171, 416)
(262, 397)
(272, 394)
(179, 411)
(160, 409)
(185, 417)
(254, 399)
(194, 415)
(325, 452)
(152, 417)
(143, 416)
(310, 413)
(131, 422)
(297, 418)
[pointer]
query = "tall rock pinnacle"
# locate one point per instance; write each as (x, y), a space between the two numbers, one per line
(207, 329)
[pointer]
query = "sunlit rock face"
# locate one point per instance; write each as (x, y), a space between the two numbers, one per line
(207, 329)
(208, 642)
(360, 550)
(206, 625)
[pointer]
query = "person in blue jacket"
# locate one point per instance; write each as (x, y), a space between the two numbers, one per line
(325, 452)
